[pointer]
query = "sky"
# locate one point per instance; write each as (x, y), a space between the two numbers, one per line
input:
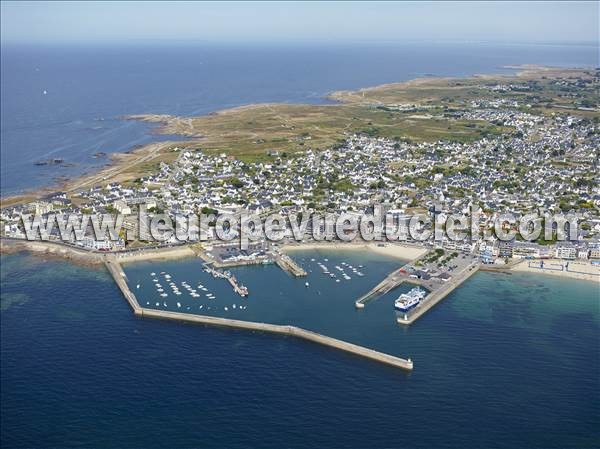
(106, 22)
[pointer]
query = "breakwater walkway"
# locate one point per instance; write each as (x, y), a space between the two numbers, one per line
(120, 278)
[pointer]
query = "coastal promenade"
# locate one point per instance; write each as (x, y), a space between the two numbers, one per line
(120, 278)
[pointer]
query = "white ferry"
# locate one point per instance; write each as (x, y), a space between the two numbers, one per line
(410, 300)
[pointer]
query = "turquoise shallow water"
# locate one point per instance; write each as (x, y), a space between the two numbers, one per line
(507, 361)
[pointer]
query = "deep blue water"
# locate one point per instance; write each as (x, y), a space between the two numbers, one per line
(90, 88)
(503, 362)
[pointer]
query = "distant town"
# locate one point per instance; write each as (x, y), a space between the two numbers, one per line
(545, 161)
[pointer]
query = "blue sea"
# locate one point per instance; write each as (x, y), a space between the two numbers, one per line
(503, 362)
(89, 89)
(506, 361)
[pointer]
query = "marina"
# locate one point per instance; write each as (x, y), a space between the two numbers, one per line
(221, 309)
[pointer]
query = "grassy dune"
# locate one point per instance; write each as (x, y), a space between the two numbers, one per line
(251, 132)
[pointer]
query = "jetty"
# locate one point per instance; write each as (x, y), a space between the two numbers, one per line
(237, 287)
(436, 295)
(286, 263)
(114, 268)
(120, 278)
(437, 289)
(214, 273)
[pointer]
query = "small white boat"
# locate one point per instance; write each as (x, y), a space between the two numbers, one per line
(306, 284)
(137, 286)
(157, 304)
(226, 309)
(153, 274)
(178, 305)
(164, 295)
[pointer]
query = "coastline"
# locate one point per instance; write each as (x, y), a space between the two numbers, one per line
(85, 257)
(51, 250)
(584, 271)
(122, 166)
(581, 270)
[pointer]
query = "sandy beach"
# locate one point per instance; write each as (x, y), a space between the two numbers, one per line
(556, 267)
(180, 252)
(399, 251)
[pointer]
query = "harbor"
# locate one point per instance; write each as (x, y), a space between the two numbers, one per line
(121, 278)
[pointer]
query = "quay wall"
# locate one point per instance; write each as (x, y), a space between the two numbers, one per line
(437, 295)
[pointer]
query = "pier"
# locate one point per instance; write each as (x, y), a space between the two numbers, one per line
(393, 280)
(437, 290)
(286, 263)
(237, 287)
(438, 294)
(120, 278)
